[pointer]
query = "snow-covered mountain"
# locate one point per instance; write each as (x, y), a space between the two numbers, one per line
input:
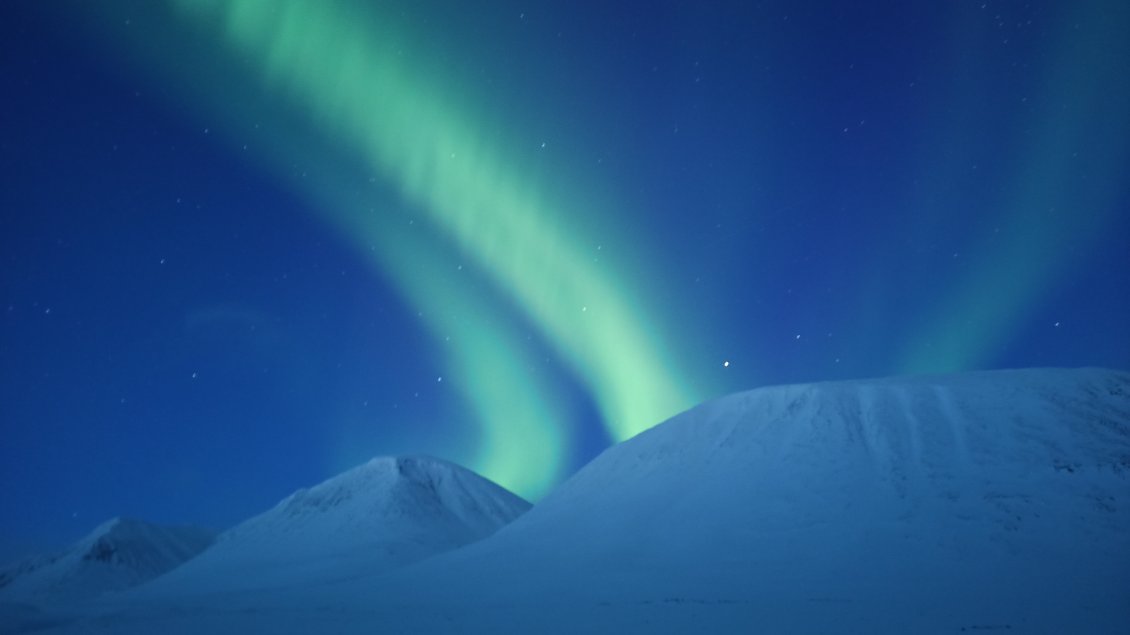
(380, 515)
(118, 554)
(979, 502)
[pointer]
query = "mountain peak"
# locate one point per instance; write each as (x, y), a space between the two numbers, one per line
(379, 515)
(395, 485)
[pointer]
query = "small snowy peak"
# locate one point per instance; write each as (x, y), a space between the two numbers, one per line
(118, 554)
(377, 516)
(388, 494)
(445, 493)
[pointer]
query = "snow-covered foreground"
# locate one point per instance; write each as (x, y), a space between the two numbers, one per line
(981, 502)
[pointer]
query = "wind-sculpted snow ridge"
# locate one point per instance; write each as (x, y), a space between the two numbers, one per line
(380, 515)
(118, 554)
(981, 502)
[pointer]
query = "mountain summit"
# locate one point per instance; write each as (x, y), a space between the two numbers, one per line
(380, 515)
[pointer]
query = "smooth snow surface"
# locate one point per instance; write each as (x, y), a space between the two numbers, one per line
(980, 502)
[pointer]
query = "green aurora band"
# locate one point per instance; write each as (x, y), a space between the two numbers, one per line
(350, 82)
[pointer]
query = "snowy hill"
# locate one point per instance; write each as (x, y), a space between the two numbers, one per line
(386, 513)
(995, 500)
(980, 502)
(118, 554)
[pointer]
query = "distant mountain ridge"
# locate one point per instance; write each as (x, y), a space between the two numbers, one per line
(116, 555)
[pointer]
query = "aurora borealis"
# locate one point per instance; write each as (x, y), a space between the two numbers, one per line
(250, 243)
(317, 53)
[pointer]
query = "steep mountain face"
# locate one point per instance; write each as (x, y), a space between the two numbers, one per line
(386, 513)
(119, 554)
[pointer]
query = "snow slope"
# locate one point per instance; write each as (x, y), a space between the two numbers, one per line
(118, 554)
(380, 515)
(979, 502)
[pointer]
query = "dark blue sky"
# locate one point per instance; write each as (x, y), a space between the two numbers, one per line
(219, 286)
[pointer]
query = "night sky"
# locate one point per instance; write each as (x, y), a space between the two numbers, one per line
(248, 244)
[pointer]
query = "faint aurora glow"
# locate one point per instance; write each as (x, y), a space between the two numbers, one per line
(1046, 222)
(353, 83)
